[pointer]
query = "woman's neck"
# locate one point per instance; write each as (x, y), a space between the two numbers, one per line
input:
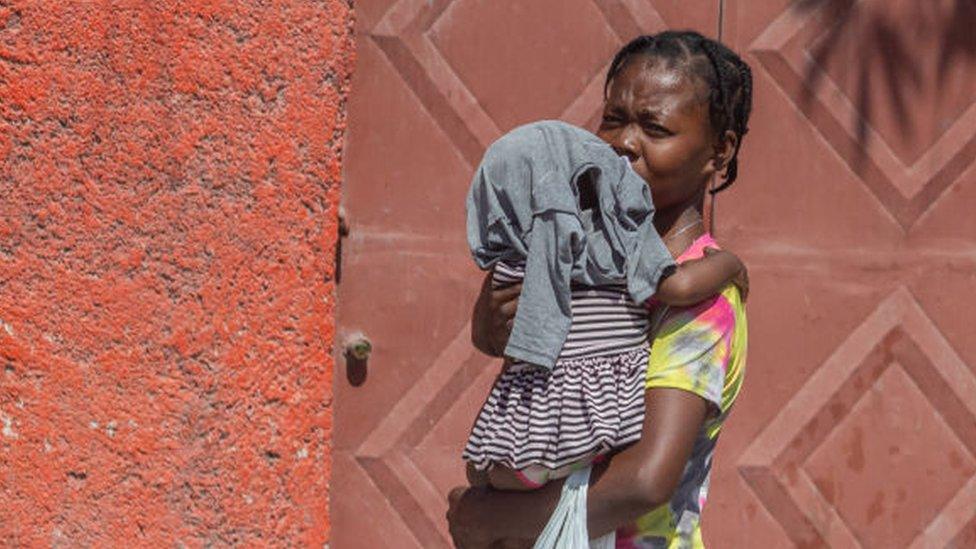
(680, 227)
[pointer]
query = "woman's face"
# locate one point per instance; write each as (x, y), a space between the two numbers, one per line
(658, 118)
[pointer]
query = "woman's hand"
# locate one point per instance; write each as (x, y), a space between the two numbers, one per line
(462, 519)
(466, 522)
(492, 317)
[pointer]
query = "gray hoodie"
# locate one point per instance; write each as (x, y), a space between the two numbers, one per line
(560, 199)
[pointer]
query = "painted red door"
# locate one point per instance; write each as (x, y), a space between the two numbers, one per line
(857, 424)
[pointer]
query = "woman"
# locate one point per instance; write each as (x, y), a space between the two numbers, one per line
(677, 105)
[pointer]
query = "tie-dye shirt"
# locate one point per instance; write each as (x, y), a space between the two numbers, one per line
(701, 349)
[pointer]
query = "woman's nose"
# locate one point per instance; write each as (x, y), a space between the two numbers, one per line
(626, 144)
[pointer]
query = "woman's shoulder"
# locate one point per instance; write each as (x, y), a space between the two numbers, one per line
(697, 248)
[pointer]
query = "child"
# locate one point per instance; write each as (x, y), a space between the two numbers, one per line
(555, 208)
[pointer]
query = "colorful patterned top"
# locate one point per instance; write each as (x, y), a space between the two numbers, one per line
(701, 349)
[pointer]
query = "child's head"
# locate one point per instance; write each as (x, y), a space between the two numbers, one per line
(677, 104)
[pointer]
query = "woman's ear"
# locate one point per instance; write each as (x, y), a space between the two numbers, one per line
(724, 150)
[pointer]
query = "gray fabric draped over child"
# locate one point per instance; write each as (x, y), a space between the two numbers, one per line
(560, 199)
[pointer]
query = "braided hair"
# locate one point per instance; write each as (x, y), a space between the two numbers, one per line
(726, 76)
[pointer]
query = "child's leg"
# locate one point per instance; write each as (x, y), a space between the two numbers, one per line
(532, 477)
(505, 478)
(500, 477)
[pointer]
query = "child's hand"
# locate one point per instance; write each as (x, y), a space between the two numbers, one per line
(741, 279)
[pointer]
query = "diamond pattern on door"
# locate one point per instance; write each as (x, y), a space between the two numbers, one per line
(386, 456)
(897, 388)
(897, 72)
(465, 90)
(444, 78)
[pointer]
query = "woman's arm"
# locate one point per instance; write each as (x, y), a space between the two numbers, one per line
(696, 280)
(646, 475)
(492, 317)
(635, 481)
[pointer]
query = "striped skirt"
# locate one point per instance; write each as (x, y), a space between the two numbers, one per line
(583, 407)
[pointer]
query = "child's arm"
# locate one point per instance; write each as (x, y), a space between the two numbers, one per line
(698, 279)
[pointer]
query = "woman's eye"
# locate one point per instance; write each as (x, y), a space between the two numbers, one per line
(656, 130)
(609, 119)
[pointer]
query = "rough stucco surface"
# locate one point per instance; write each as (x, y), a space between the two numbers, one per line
(169, 175)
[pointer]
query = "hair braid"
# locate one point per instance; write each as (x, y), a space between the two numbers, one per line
(718, 98)
(741, 108)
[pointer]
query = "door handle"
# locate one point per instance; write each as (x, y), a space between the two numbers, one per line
(358, 346)
(357, 349)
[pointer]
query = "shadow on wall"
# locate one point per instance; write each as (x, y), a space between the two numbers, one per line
(896, 61)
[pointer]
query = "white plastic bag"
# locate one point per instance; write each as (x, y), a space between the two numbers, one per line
(566, 528)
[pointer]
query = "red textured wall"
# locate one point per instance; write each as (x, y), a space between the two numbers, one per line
(169, 176)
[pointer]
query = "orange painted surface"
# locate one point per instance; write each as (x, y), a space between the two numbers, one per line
(169, 176)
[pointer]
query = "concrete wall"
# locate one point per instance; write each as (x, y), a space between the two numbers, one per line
(169, 179)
